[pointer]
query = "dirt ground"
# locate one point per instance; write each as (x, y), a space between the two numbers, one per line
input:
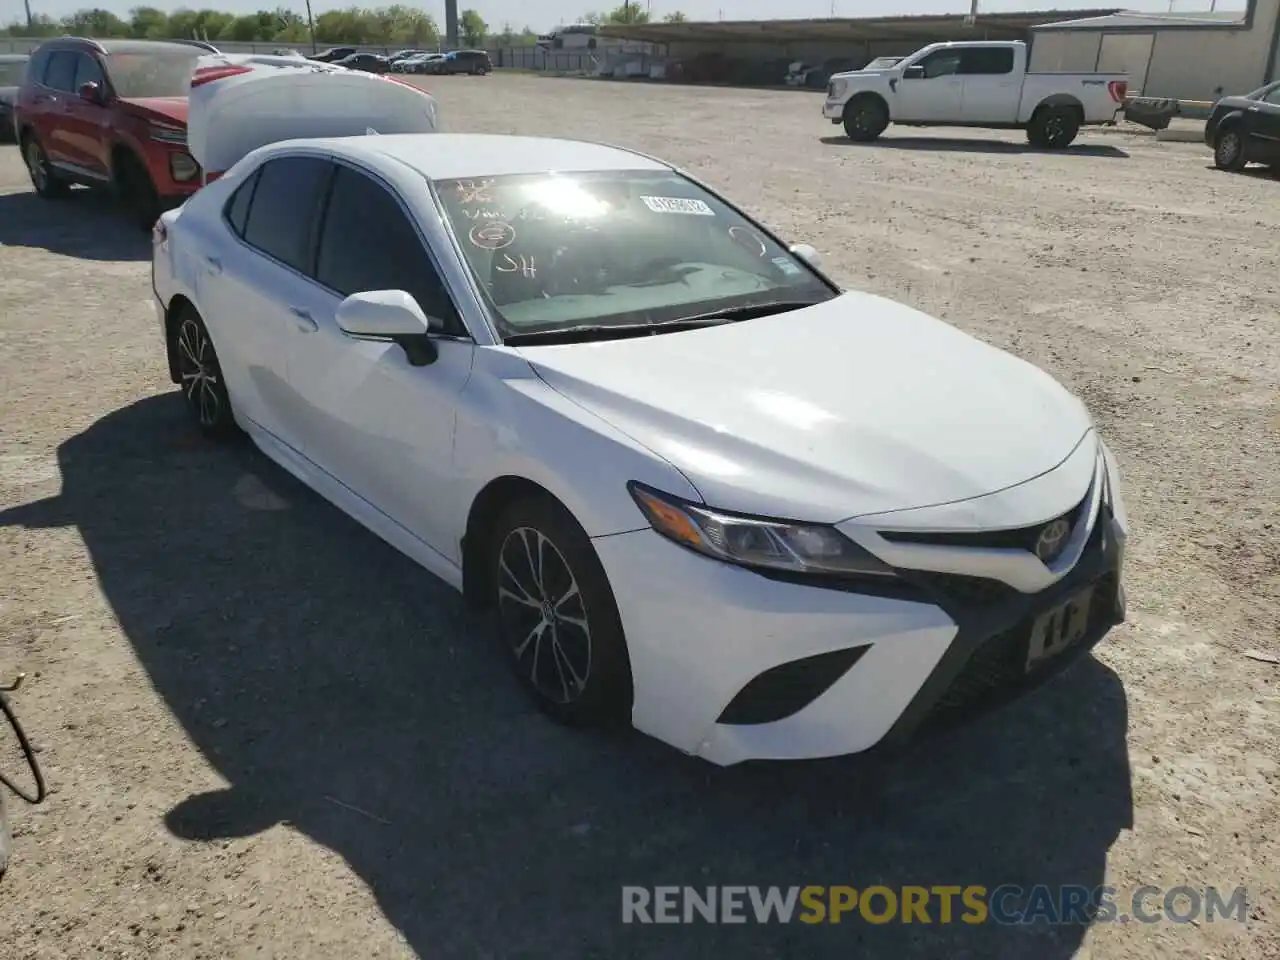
(270, 735)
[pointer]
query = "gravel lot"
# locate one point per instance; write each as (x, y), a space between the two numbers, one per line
(270, 735)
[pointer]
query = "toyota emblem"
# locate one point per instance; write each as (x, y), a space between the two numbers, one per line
(1051, 540)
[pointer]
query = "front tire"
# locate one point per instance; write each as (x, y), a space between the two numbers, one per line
(1053, 128)
(44, 180)
(136, 190)
(200, 375)
(1228, 149)
(865, 118)
(557, 617)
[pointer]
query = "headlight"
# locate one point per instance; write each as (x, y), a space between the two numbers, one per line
(183, 167)
(837, 89)
(755, 542)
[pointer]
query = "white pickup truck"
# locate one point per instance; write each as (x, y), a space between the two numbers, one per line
(974, 84)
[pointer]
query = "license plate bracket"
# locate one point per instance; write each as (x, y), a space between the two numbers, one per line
(1059, 628)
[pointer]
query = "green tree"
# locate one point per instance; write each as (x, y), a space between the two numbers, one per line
(675, 16)
(628, 13)
(148, 23)
(95, 23)
(473, 28)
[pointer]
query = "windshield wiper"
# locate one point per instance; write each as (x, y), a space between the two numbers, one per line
(619, 331)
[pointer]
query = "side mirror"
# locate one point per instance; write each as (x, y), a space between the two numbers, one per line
(91, 92)
(913, 72)
(390, 315)
(808, 254)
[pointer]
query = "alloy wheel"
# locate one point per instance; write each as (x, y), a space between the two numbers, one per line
(1228, 148)
(543, 615)
(198, 368)
(35, 166)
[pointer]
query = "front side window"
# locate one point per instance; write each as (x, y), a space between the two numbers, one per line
(1274, 95)
(152, 74)
(87, 71)
(283, 208)
(620, 248)
(944, 63)
(367, 243)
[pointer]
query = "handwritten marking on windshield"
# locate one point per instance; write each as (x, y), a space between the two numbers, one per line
(522, 265)
(492, 235)
(471, 191)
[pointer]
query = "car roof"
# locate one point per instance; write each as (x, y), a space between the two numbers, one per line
(121, 46)
(448, 156)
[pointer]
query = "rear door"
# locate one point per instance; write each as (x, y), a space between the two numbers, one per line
(52, 98)
(252, 285)
(934, 98)
(992, 88)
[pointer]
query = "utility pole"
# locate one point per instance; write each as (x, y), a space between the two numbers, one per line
(311, 26)
(31, 24)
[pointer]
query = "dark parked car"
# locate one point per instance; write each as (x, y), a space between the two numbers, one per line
(333, 54)
(12, 66)
(462, 61)
(1245, 129)
(368, 62)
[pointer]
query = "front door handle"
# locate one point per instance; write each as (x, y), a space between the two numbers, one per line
(1254, 109)
(303, 318)
(213, 265)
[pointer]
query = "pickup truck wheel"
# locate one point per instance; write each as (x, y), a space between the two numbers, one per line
(1053, 127)
(865, 118)
(46, 183)
(1228, 150)
(136, 190)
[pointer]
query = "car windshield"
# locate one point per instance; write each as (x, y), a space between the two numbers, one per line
(11, 74)
(152, 74)
(616, 249)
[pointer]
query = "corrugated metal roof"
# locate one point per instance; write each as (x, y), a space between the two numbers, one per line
(1154, 21)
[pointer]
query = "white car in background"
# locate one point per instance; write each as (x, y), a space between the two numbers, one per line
(704, 491)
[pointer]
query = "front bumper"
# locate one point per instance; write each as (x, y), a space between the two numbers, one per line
(730, 665)
(833, 110)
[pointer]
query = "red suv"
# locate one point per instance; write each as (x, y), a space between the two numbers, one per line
(110, 113)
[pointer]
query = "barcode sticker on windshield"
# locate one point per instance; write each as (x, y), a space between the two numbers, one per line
(678, 205)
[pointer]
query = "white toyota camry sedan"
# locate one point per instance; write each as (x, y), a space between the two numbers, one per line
(702, 489)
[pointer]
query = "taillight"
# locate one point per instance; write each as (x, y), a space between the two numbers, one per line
(210, 74)
(1118, 89)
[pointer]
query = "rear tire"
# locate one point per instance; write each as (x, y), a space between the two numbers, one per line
(1228, 149)
(137, 192)
(865, 118)
(1053, 128)
(557, 617)
(46, 183)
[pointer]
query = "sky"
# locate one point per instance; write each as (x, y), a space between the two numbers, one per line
(544, 14)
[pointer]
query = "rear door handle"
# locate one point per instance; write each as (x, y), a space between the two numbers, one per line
(213, 265)
(304, 319)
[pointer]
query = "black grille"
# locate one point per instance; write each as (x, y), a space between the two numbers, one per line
(967, 592)
(997, 668)
(1022, 538)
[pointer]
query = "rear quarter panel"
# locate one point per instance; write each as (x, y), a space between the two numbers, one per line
(1090, 90)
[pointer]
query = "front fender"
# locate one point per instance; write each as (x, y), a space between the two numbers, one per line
(511, 423)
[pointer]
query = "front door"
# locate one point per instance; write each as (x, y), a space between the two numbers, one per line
(85, 124)
(933, 98)
(381, 427)
(1263, 125)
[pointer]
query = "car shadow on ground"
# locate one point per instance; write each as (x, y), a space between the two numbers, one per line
(1257, 171)
(337, 686)
(964, 145)
(87, 224)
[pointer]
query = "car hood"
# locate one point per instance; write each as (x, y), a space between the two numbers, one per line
(172, 109)
(854, 406)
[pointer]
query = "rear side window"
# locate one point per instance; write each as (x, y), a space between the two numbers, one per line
(283, 208)
(368, 243)
(986, 61)
(237, 208)
(36, 68)
(61, 74)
